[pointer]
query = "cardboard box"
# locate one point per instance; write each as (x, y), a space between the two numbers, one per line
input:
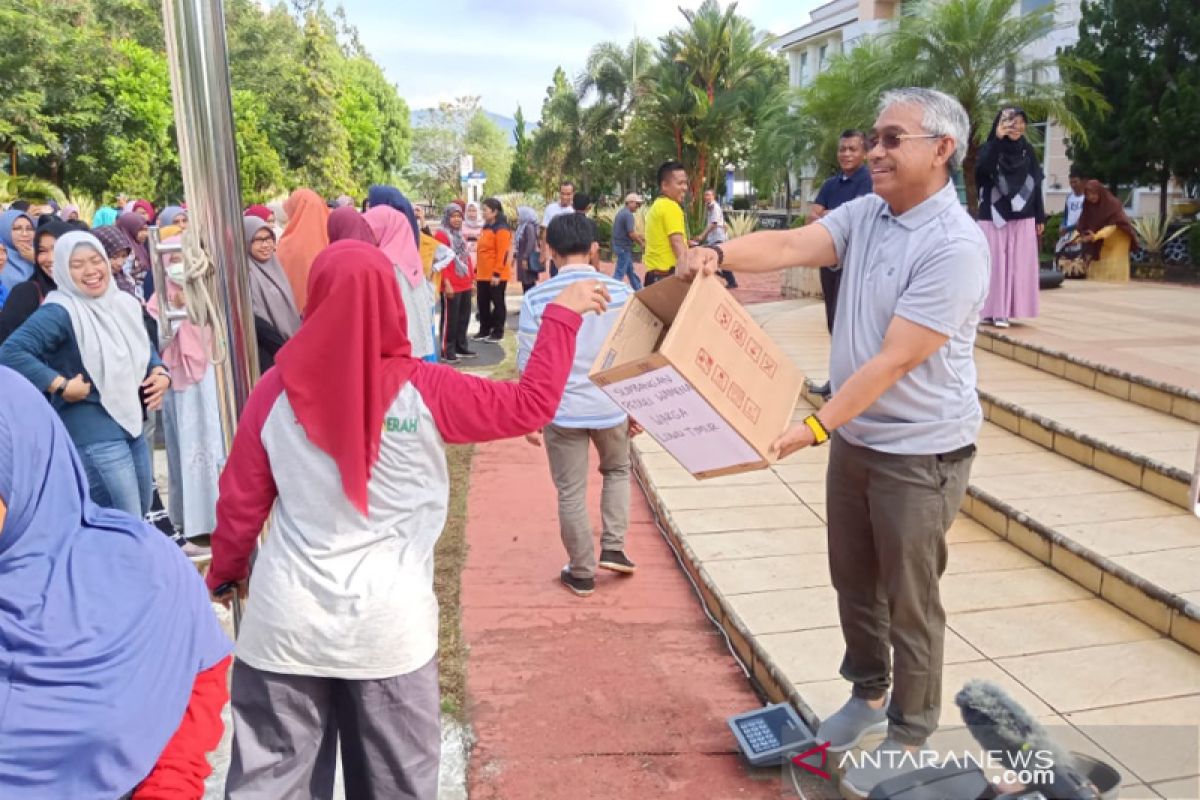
(691, 367)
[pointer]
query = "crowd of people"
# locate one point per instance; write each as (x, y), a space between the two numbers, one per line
(339, 454)
(337, 651)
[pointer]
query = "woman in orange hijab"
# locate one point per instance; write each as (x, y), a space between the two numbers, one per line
(305, 236)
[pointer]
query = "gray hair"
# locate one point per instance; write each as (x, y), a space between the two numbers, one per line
(940, 114)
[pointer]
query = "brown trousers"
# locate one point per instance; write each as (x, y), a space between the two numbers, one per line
(888, 516)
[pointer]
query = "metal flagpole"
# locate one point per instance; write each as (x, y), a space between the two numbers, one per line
(195, 38)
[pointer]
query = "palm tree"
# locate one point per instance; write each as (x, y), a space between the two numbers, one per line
(616, 74)
(701, 90)
(972, 50)
(610, 85)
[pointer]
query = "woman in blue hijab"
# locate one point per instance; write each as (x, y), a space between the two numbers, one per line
(380, 195)
(16, 236)
(113, 666)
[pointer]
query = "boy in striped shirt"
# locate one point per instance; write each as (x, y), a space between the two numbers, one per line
(585, 416)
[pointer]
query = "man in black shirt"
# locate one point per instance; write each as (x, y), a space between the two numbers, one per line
(853, 181)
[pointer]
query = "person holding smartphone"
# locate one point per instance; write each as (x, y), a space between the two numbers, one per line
(1012, 215)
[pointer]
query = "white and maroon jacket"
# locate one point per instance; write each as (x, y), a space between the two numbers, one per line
(337, 594)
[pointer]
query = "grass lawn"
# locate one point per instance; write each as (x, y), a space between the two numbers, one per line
(451, 555)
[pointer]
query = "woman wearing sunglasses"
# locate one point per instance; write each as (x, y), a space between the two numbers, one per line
(1012, 216)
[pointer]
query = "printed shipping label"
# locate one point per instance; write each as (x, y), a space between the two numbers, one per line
(680, 419)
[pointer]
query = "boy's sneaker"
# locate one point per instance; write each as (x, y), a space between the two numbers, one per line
(482, 336)
(467, 354)
(450, 358)
(496, 337)
(580, 586)
(617, 561)
(847, 726)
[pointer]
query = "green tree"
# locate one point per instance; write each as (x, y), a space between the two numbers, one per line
(558, 145)
(259, 165)
(489, 146)
(1146, 52)
(520, 174)
(376, 121)
(85, 98)
(324, 153)
(707, 87)
(971, 49)
(844, 96)
(438, 143)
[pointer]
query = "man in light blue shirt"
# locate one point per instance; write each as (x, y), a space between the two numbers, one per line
(585, 416)
(904, 414)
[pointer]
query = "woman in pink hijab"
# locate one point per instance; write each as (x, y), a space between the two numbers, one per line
(394, 236)
(191, 416)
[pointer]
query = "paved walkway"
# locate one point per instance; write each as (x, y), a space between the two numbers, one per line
(1145, 328)
(1073, 660)
(623, 694)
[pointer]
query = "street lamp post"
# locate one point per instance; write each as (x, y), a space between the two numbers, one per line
(195, 38)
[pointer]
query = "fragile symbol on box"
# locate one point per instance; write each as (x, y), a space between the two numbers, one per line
(751, 410)
(737, 394)
(704, 361)
(754, 350)
(720, 377)
(739, 334)
(768, 365)
(724, 316)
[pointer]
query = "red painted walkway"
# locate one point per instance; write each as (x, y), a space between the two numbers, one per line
(622, 694)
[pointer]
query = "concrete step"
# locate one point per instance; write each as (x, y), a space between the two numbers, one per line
(1138, 552)
(1123, 384)
(1145, 448)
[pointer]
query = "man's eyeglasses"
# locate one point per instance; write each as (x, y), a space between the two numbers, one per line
(891, 140)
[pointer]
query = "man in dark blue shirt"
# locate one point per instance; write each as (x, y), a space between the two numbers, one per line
(853, 181)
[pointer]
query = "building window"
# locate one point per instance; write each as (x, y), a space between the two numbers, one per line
(802, 70)
(821, 57)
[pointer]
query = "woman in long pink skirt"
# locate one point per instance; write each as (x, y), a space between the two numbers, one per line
(1012, 216)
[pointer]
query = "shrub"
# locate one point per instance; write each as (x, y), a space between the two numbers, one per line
(799, 221)
(740, 223)
(1194, 245)
(604, 228)
(1051, 234)
(741, 204)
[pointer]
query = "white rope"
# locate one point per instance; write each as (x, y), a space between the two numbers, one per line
(202, 309)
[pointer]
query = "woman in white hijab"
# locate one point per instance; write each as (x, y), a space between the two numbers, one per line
(86, 348)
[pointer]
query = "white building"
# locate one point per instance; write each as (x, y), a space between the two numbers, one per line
(837, 25)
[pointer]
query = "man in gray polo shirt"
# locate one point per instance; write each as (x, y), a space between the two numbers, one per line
(904, 414)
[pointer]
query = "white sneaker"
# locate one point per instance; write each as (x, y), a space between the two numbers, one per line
(1001, 322)
(851, 723)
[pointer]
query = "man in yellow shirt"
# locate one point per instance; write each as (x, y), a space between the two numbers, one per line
(666, 228)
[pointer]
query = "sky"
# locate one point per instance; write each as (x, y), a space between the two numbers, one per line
(506, 52)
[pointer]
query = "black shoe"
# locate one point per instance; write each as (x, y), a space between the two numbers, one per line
(617, 561)
(482, 336)
(580, 586)
(467, 354)
(450, 358)
(824, 390)
(496, 337)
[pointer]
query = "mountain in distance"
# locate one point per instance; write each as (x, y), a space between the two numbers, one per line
(420, 117)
